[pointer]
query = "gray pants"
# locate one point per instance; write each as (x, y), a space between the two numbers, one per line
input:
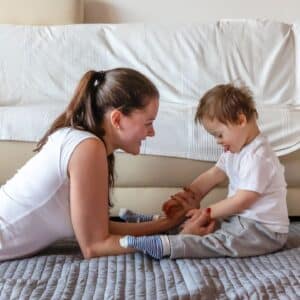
(236, 237)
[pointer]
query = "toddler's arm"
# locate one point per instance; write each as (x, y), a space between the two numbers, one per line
(192, 195)
(240, 201)
(205, 182)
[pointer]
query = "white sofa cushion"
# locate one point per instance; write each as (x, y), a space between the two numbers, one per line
(183, 60)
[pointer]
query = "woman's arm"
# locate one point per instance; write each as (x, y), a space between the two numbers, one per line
(88, 172)
(146, 228)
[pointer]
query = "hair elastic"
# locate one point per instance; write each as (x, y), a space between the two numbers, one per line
(99, 77)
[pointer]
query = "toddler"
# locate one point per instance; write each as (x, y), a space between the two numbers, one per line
(253, 218)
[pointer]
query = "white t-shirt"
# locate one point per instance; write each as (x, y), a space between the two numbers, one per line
(257, 168)
(34, 210)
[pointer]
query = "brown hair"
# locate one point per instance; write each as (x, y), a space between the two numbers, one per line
(96, 93)
(225, 102)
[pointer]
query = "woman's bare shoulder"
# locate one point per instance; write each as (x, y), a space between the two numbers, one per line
(91, 152)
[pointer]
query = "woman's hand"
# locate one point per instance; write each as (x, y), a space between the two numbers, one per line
(199, 222)
(174, 205)
(175, 210)
(186, 195)
(182, 200)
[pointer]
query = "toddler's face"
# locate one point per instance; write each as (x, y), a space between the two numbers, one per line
(232, 137)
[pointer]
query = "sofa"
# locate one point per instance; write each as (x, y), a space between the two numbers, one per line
(40, 73)
(39, 68)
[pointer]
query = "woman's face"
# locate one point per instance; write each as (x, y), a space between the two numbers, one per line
(137, 126)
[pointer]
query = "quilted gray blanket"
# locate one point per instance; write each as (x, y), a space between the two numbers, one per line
(60, 272)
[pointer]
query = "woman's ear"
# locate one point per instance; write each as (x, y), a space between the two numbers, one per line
(115, 118)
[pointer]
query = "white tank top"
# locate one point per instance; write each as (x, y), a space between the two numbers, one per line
(35, 210)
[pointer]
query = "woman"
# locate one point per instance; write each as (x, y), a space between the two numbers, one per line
(64, 189)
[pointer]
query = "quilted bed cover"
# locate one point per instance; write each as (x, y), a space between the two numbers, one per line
(60, 272)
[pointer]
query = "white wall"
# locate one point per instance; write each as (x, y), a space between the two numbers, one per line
(116, 11)
(154, 11)
(41, 11)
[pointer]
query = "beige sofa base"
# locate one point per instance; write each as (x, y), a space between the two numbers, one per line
(143, 183)
(149, 199)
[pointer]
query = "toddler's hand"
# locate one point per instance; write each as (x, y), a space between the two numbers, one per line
(199, 222)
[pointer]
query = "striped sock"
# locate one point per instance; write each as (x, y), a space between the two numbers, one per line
(132, 217)
(154, 245)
